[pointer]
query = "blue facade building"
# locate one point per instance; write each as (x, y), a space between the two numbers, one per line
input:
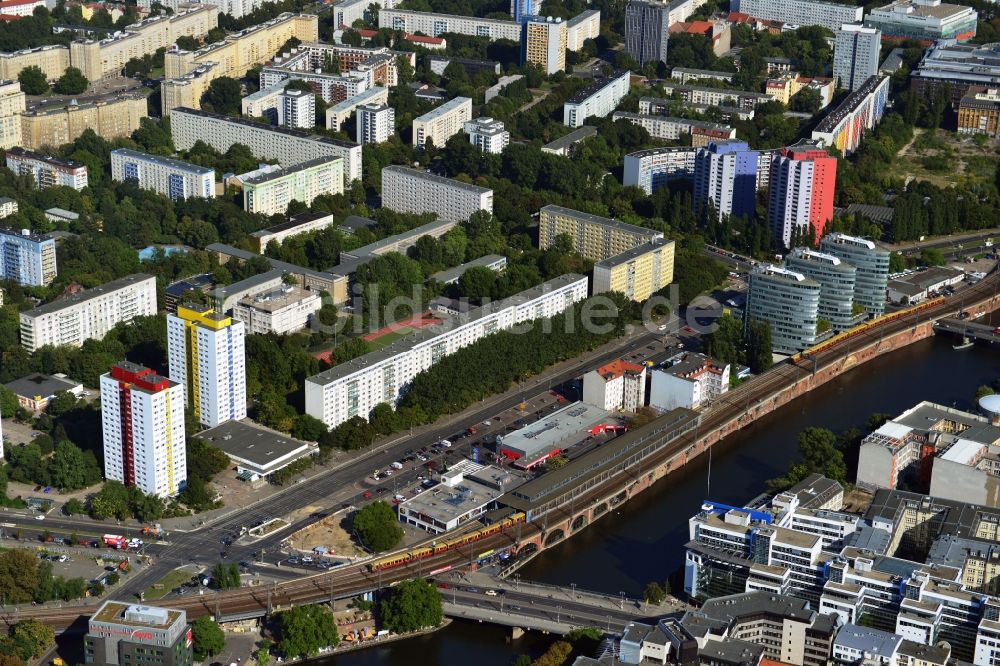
(725, 173)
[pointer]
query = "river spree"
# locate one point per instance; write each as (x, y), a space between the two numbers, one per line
(644, 540)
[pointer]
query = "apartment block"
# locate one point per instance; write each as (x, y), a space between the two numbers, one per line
(297, 224)
(837, 284)
(725, 174)
(784, 87)
(637, 273)
(435, 25)
(803, 177)
(671, 129)
(860, 111)
(89, 314)
(47, 171)
(800, 12)
(585, 25)
(442, 122)
(646, 30)
(122, 634)
(169, 177)
(347, 12)
(616, 386)
(689, 380)
(871, 264)
(263, 103)
(355, 388)
(341, 111)
(594, 237)
(289, 147)
(487, 134)
(924, 20)
(361, 68)
(376, 123)
(598, 99)
(60, 123)
(11, 107)
(544, 43)
(206, 358)
(297, 109)
(27, 258)
(270, 193)
(284, 310)
(979, 111)
(142, 421)
(788, 302)
(407, 190)
(856, 55)
(655, 167)
(691, 94)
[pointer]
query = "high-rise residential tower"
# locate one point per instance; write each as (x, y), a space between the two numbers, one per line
(646, 25)
(544, 43)
(855, 55)
(725, 173)
(803, 177)
(836, 280)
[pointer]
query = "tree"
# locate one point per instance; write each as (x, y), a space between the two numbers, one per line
(327, 314)
(377, 527)
(807, 100)
(383, 418)
(984, 391)
(61, 403)
(303, 630)
(33, 80)
(820, 455)
(410, 606)
(110, 502)
(72, 82)
(308, 428)
(653, 594)
(477, 282)
(759, 353)
(225, 576)
(930, 256)
(897, 264)
(18, 577)
(559, 652)
(32, 639)
(207, 638)
(725, 343)
(223, 95)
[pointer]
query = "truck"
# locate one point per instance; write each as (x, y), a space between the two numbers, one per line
(115, 541)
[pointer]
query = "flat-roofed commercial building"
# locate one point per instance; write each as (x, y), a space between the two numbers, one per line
(567, 145)
(924, 20)
(281, 311)
(36, 391)
(830, 15)
(257, 451)
(383, 376)
(837, 283)
(467, 491)
(598, 99)
(442, 123)
(47, 171)
(435, 25)
(270, 193)
(334, 283)
(122, 634)
(494, 262)
(27, 258)
(788, 302)
(594, 237)
(407, 190)
(89, 314)
(289, 147)
(637, 273)
(169, 177)
(955, 68)
(872, 264)
(537, 442)
(296, 224)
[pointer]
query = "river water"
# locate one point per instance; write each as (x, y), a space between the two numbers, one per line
(644, 540)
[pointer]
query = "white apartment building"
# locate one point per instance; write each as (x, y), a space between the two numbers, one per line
(235, 8)
(282, 311)
(206, 357)
(7, 207)
(297, 224)
(376, 123)
(263, 103)
(544, 43)
(26, 258)
(90, 314)
(598, 99)
(856, 55)
(347, 12)
(407, 190)
(354, 388)
(442, 123)
(689, 380)
(296, 109)
(655, 167)
(434, 25)
(169, 177)
(289, 147)
(341, 111)
(801, 12)
(671, 129)
(488, 135)
(47, 171)
(270, 193)
(142, 421)
(618, 385)
(12, 105)
(331, 87)
(585, 25)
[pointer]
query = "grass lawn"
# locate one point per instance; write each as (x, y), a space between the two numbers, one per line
(389, 338)
(167, 583)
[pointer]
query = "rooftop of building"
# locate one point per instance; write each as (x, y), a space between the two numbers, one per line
(958, 518)
(815, 256)
(443, 109)
(581, 17)
(706, 72)
(245, 255)
(22, 153)
(163, 161)
(284, 172)
(663, 150)
(220, 294)
(815, 490)
(633, 253)
(358, 99)
(926, 654)
(292, 222)
(868, 640)
(355, 223)
(270, 91)
(25, 234)
(39, 385)
(252, 443)
(850, 103)
(736, 92)
(932, 276)
(430, 177)
(445, 503)
(590, 218)
(136, 615)
(577, 135)
(452, 274)
(184, 110)
(686, 363)
(453, 16)
(735, 606)
(686, 122)
(278, 299)
(598, 84)
(879, 214)
(87, 295)
(619, 368)
(921, 8)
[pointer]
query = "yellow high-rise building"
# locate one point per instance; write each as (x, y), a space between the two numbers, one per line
(11, 108)
(545, 43)
(637, 273)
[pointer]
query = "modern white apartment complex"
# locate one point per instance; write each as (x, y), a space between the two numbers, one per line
(788, 302)
(47, 171)
(270, 193)
(169, 177)
(375, 123)
(11, 106)
(856, 55)
(689, 380)
(598, 99)
(264, 103)
(296, 109)
(206, 358)
(347, 12)
(655, 167)
(443, 122)
(801, 12)
(289, 147)
(488, 135)
(27, 258)
(436, 25)
(90, 314)
(341, 111)
(297, 224)
(284, 310)
(544, 43)
(355, 388)
(407, 190)
(142, 421)
(585, 25)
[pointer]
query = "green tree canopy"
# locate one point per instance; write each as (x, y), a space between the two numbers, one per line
(377, 527)
(223, 95)
(207, 638)
(72, 82)
(303, 630)
(412, 605)
(33, 80)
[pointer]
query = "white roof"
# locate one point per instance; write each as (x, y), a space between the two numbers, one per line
(962, 451)
(894, 430)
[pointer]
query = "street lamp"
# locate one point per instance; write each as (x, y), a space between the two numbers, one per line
(558, 612)
(517, 581)
(573, 588)
(621, 605)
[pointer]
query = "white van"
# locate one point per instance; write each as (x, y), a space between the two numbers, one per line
(396, 465)
(445, 443)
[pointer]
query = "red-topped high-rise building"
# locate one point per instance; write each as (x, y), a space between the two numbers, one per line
(803, 179)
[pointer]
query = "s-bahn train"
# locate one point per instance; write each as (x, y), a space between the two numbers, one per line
(415, 554)
(865, 327)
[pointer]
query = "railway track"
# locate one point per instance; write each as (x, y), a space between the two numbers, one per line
(350, 580)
